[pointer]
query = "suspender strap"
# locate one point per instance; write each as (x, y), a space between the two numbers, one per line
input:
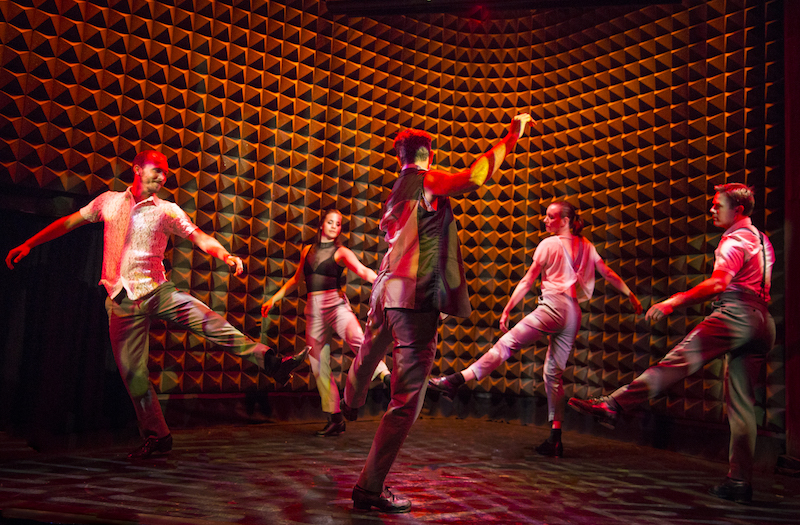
(763, 292)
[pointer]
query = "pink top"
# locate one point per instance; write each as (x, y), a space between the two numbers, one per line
(135, 237)
(740, 254)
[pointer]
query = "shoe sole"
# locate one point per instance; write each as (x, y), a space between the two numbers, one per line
(328, 434)
(367, 507)
(151, 455)
(742, 500)
(549, 455)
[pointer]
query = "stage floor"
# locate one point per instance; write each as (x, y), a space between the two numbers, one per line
(456, 471)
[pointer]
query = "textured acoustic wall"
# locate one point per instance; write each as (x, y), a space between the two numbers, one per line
(271, 111)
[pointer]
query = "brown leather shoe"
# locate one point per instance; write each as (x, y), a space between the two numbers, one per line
(383, 501)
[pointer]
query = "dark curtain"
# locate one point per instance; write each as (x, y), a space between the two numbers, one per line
(60, 386)
(792, 203)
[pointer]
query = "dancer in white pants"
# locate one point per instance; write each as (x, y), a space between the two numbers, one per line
(566, 262)
(328, 310)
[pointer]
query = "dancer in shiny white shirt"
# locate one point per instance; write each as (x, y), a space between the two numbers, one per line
(137, 226)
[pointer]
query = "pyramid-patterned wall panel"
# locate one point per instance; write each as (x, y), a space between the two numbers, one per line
(271, 111)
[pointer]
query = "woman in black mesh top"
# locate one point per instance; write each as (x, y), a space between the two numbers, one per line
(327, 310)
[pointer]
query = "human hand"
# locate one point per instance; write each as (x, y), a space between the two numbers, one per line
(637, 306)
(266, 307)
(235, 264)
(521, 120)
(504, 321)
(658, 311)
(15, 255)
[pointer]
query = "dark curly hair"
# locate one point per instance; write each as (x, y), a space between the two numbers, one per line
(413, 145)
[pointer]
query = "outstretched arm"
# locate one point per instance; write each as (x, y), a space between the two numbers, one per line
(346, 256)
(212, 247)
(438, 183)
(48, 233)
(519, 293)
(704, 291)
(288, 285)
(617, 282)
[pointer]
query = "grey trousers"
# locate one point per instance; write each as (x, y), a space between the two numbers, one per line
(415, 337)
(741, 329)
(557, 316)
(129, 327)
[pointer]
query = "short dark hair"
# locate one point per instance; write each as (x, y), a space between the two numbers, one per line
(412, 145)
(150, 155)
(738, 195)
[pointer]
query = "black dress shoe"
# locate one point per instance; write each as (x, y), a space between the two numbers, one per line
(153, 446)
(350, 414)
(333, 428)
(283, 373)
(604, 409)
(551, 448)
(733, 490)
(443, 385)
(383, 501)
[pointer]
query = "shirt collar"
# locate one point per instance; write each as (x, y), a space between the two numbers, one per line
(151, 200)
(743, 223)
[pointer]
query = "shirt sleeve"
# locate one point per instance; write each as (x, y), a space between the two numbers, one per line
(93, 212)
(179, 223)
(543, 252)
(730, 256)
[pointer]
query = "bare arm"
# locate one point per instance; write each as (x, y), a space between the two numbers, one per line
(519, 293)
(448, 184)
(288, 285)
(350, 260)
(52, 231)
(617, 282)
(704, 291)
(212, 247)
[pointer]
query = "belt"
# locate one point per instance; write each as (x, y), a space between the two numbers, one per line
(744, 297)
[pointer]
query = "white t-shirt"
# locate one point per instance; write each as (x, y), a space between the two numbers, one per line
(558, 275)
